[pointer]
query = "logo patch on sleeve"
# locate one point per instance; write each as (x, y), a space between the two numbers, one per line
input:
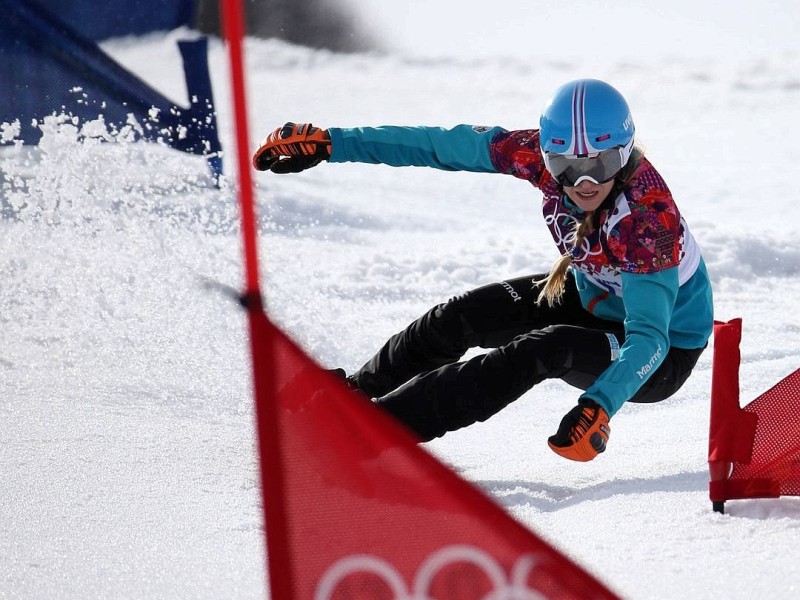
(614, 343)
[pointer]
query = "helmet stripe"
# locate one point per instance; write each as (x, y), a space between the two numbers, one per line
(575, 112)
(579, 119)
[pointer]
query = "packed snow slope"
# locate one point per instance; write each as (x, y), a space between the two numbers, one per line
(127, 446)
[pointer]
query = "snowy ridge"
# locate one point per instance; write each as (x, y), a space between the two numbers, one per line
(128, 458)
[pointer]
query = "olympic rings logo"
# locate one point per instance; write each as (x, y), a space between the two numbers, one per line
(505, 587)
(564, 227)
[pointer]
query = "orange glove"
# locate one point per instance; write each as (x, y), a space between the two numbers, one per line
(583, 432)
(293, 148)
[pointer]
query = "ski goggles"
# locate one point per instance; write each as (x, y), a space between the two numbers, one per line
(598, 167)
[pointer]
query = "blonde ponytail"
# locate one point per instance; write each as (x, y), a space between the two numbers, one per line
(556, 280)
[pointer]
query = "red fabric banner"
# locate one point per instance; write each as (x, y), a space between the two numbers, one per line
(367, 513)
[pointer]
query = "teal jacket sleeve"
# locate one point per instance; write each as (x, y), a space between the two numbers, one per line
(649, 300)
(462, 148)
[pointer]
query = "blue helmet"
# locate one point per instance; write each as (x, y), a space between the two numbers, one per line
(584, 117)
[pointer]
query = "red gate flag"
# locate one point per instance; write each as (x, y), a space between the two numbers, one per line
(366, 513)
(354, 508)
(754, 451)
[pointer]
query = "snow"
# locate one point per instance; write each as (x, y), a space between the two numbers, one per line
(651, 28)
(127, 448)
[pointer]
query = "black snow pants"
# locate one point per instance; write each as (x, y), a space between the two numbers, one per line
(417, 377)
